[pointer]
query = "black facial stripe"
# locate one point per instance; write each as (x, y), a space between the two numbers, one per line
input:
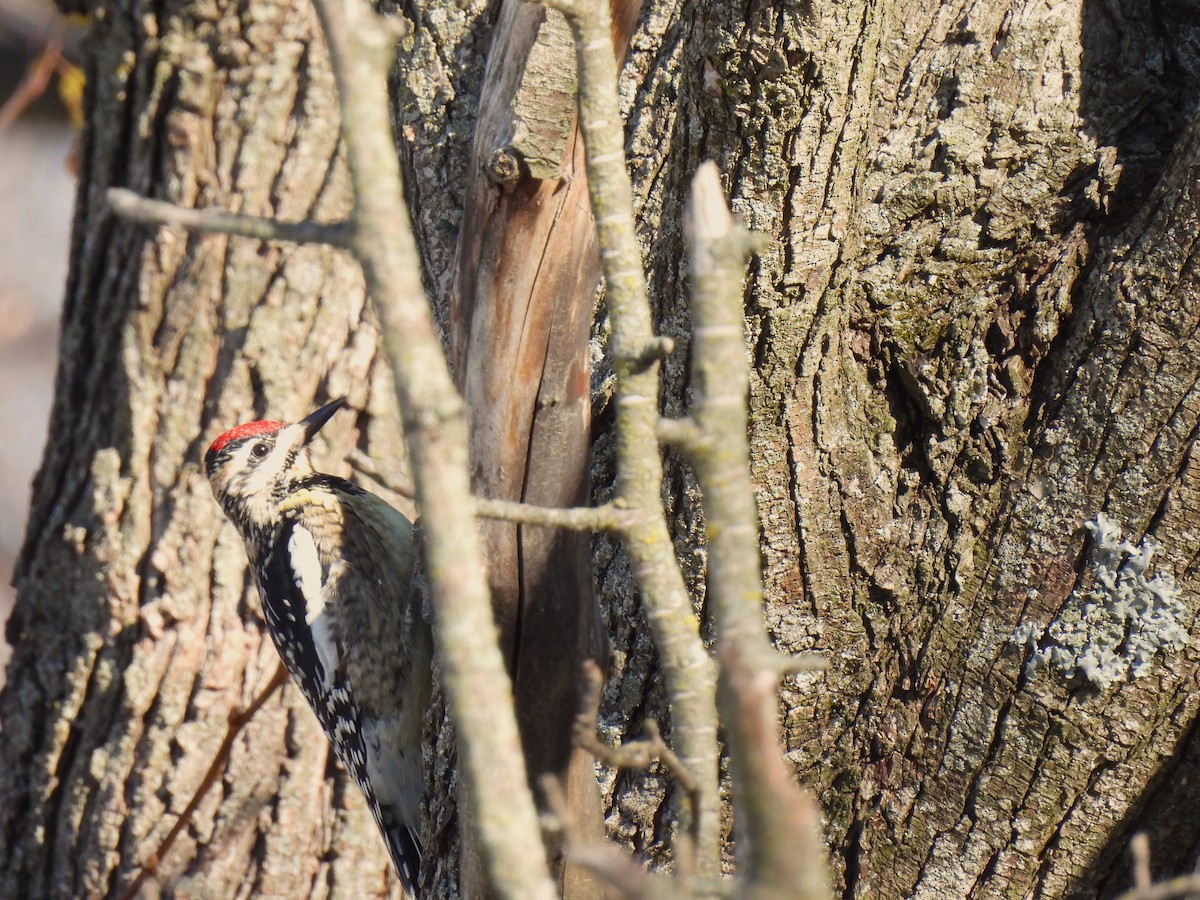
(213, 461)
(320, 479)
(282, 488)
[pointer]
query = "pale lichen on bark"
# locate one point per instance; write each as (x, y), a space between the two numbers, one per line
(1115, 629)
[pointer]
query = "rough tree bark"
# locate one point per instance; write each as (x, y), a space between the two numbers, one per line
(973, 332)
(137, 633)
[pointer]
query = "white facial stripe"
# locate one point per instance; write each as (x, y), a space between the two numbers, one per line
(241, 459)
(253, 484)
(287, 442)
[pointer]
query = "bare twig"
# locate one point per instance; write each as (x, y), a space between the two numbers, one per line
(1182, 886)
(782, 855)
(799, 662)
(786, 863)
(129, 205)
(476, 684)
(608, 517)
(604, 859)
(656, 348)
(236, 723)
(638, 755)
(632, 754)
(362, 463)
(686, 666)
(683, 433)
(1144, 887)
(37, 76)
(1139, 849)
(580, 518)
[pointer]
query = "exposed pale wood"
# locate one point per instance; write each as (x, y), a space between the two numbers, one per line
(477, 688)
(637, 352)
(520, 317)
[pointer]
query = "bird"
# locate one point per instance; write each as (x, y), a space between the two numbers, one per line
(334, 566)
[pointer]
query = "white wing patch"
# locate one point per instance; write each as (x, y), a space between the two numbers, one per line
(306, 567)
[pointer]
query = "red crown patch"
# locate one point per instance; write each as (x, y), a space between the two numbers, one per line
(249, 429)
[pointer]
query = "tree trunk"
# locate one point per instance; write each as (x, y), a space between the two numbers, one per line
(935, 182)
(972, 332)
(944, 373)
(137, 633)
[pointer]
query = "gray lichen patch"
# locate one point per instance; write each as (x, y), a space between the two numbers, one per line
(1112, 630)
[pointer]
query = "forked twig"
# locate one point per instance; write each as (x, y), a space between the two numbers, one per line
(634, 754)
(1144, 886)
(603, 858)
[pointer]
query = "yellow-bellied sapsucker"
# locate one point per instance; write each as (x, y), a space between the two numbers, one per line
(334, 566)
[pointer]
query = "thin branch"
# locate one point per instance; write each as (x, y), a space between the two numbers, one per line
(129, 205)
(683, 433)
(363, 464)
(1144, 887)
(687, 669)
(474, 678)
(792, 664)
(608, 517)
(1139, 849)
(37, 76)
(237, 722)
(632, 754)
(782, 854)
(789, 861)
(656, 348)
(638, 755)
(1179, 887)
(604, 859)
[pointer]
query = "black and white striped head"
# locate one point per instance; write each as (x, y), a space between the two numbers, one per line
(254, 466)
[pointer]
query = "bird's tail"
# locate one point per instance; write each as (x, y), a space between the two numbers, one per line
(406, 855)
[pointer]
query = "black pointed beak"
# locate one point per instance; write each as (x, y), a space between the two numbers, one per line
(312, 423)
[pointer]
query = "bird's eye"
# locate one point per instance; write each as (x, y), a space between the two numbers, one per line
(259, 450)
